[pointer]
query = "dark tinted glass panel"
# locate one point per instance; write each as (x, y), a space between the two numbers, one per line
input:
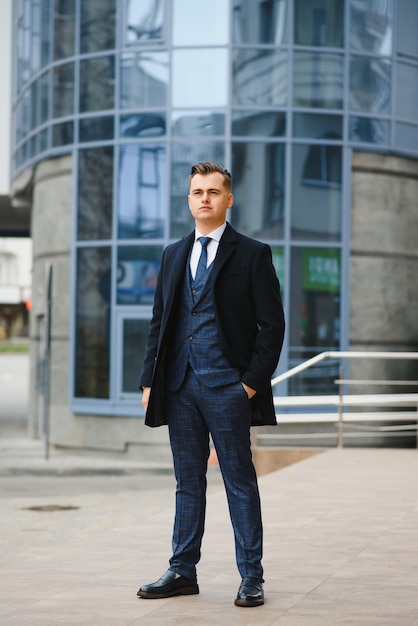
(137, 274)
(183, 157)
(63, 100)
(46, 17)
(92, 343)
(63, 134)
(97, 77)
(314, 319)
(319, 23)
(259, 189)
(43, 140)
(64, 28)
(406, 92)
(370, 83)
(144, 78)
(97, 25)
(371, 25)
(95, 189)
(316, 126)
(35, 104)
(135, 334)
(143, 125)
(261, 22)
(142, 191)
(96, 129)
(318, 80)
(144, 21)
(44, 97)
(316, 192)
(197, 123)
(258, 123)
(369, 130)
(260, 77)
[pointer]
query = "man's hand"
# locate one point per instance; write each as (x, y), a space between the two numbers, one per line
(250, 391)
(145, 397)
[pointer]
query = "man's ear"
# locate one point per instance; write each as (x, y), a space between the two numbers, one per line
(231, 200)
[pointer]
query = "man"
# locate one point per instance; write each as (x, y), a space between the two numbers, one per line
(214, 342)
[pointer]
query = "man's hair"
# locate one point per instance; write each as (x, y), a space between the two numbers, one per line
(207, 167)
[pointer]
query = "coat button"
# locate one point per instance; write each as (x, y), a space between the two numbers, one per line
(190, 337)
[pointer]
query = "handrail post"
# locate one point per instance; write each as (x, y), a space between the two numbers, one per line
(340, 409)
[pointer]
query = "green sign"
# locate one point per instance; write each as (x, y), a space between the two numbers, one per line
(321, 269)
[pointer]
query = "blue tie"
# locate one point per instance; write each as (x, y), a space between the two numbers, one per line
(203, 259)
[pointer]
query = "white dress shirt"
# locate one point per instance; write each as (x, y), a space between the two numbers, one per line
(212, 247)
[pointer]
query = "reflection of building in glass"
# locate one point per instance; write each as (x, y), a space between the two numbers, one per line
(313, 107)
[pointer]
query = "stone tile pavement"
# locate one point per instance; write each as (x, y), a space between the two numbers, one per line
(341, 542)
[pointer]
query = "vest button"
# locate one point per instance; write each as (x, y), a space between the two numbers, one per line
(190, 337)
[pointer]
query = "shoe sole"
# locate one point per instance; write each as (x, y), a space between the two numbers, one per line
(239, 602)
(185, 591)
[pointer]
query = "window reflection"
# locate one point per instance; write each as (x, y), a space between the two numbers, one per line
(144, 78)
(144, 20)
(182, 158)
(406, 28)
(63, 134)
(258, 123)
(135, 332)
(208, 68)
(95, 189)
(316, 192)
(96, 129)
(143, 125)
(265, 22)
(46, 18)
(207, 24)
(44, 97)
(142, 191)
(370, 81)
(97, 31)
(92, 344)
(371, 26)
(97, 77)
(260, 77)
(63, 100)
(259, 181)
(316, 125)
(319, 23)
(369, 130)
(318, 80)
(406, 136)
(137, 272)
(314, 319)
(64, 28)
(406, 92)
(198, 123)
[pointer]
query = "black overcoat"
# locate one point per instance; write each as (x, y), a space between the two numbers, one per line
(249, 317)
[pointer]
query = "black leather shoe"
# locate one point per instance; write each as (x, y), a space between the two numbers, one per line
(168, 585)
(250, 592)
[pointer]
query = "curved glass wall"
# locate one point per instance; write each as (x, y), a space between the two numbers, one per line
(278, 90)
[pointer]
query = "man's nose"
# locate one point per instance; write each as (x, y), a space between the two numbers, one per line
(206, 196)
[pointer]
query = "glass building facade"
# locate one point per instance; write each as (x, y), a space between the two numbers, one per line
(279, 91)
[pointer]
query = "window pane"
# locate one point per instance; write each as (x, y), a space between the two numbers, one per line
(36, 37)
(260, 77)
(46, 18)
(135, 334)
(406, 92)
(183, 157)
(370, 83)
(35, 105)
(316, 192)
(258, 123)
(96, 129)
(207, 23)
(315, 126)
(319, 23)
(64, 28)
(209, 85)
(97, 77)
(63, 102)
(63, 134)
(97, 25)
(138, 268)
(198, 123)
(95, 189)
(143, 125)
(91, 367)
(45, 99)
(144, 21)
(142, 191)
(258, 171)
(369, 130)
(314, 320)
(318, 80)
(371, 26)
(144, 78)
(406, 136)
(263, 22)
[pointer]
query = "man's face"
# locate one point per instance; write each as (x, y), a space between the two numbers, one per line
(209, 201)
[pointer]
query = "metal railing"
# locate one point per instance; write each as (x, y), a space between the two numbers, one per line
(342, 401)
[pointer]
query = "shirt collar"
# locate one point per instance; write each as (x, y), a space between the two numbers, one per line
(215, 234)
